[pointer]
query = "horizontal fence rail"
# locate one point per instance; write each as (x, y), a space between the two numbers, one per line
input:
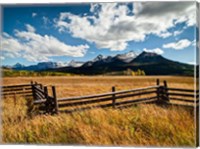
(185, 100)
(180, 94)
(186, 97)
(183, 90)
(159, 94)
(106, 94)
(15, 86)
(23, 89)
(111, 99)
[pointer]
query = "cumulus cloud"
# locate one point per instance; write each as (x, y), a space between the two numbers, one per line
(178, 32)
(113, 25)
(2, 58)
(45, 20)
(181, 44)
(34, 14)
(30, 28)
(36, 47)
(156, 50)
(165, 35)
(194, 43)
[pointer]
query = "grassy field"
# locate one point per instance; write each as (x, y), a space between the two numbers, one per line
(142, 125)
(76, 86)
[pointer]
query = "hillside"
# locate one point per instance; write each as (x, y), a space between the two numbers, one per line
(150, 63)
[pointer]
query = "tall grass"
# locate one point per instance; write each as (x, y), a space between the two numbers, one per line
(142, 125)
(78, 86)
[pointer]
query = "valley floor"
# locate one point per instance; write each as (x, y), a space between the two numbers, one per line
(142, 125)
(86, 85)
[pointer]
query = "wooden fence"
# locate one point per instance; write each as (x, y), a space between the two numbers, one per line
(159, 94)
(112, 99)
(15, 90)
(42, 98)
(178, 96)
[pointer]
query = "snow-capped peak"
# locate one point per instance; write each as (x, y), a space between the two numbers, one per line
(127, 57)
(75, 64)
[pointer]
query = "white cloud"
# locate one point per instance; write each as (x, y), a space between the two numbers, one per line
(30, 28)
(181, 44)
(156, 50)
(94, 7)
(165, 35)
(2, 58)
(178, 32)
(45, 20)
(11, 44)
(194, 43)
(34, 14)
(36, 47)
(113, 25)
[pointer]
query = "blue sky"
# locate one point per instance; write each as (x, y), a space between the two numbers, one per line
(80, 32)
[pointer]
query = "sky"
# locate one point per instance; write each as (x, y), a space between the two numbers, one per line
(80, 32)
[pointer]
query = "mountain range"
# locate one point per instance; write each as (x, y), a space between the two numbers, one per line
(150, 63)
(42, 66)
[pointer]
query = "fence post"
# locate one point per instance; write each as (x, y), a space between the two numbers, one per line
(33, 90)
(46, 92)
(113, 97)
(158, 89)
(55, 99)
(41, 86)
(47, 104)
(166, 91)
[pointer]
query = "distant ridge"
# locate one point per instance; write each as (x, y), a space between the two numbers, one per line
(151, 63)
(45, 66)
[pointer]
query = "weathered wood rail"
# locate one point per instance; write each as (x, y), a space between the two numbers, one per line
(14, 90)
(181, 96)
(112, 99)
(41, 97)
(159, 94)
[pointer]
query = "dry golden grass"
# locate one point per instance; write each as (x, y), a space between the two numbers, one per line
(76, 86)
(142, 125)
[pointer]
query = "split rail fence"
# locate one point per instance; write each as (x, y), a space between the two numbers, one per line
(159, 94)
(15, 90)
